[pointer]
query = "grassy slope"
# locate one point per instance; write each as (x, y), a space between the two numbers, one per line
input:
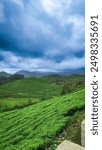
(30, 87)
(7, 104)
(17, 94)
(71, 132)
(36, 87)
(35, 126)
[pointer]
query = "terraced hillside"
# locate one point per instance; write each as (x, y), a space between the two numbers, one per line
(36, 126)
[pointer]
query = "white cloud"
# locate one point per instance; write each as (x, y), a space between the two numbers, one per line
(48, 6)
(14, 63)
(18, 2)
(2, 18)
(56, 7)
(61, 10)
(77, 22)
(73, 63)
(8, 56)
(44, 22)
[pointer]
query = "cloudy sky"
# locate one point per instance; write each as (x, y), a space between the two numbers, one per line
(42, 35)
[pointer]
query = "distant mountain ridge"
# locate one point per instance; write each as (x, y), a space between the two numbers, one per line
(41, 73)
(34, 73)
(27, 73)
(4, 74)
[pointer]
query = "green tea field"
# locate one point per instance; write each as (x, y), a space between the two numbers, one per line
(36, 126)
(7, 104)
(21, 93)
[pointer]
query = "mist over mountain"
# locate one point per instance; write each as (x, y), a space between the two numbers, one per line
(33, 73)
(27, 73)
(42, 73)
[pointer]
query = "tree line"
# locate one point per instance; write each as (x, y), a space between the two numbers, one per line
(14, 77)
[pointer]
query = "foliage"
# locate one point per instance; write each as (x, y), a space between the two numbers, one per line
(71, 132)
(36, 126)
(22, 93)
(42, 88)
(7, 104)
(72, 86)
(11, 78)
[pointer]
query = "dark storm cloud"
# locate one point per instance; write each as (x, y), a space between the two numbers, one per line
(41, 29)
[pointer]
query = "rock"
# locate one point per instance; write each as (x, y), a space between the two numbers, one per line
(67, 145)
(83, 133)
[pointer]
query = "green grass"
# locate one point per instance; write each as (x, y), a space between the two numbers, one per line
(43, 88)
(71, 132)
(15, 103)
(30, 87)
(17, 94)
(35, 127)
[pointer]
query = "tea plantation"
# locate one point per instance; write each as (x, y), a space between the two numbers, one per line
(36, 126)
(24, 92)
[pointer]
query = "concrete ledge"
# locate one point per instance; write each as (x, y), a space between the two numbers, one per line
(67, 145)
(83, 133)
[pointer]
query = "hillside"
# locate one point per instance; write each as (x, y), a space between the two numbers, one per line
(28, 91)
(43, 88)
(36, 126)
(4, 74)
(31, 87)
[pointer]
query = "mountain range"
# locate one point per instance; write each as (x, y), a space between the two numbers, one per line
(27, 73)
(4, 74)
(41, 73)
